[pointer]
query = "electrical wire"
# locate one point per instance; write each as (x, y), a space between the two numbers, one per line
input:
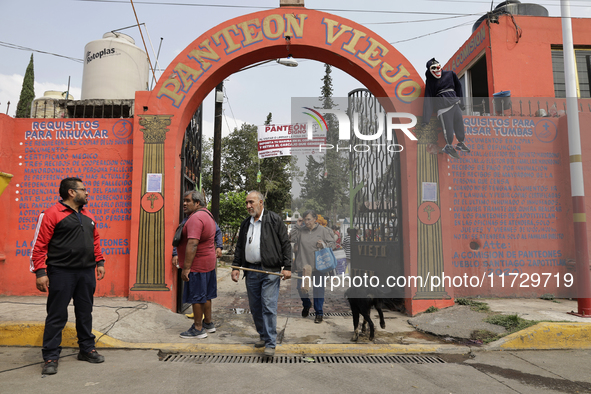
(518, 30)
(226, 119)
(229, 105)
(22, 48)
(271, 8)
(452, 15)
(435, 32)
(419, 20)
(137, 307)
(117, 308)
(487, 2)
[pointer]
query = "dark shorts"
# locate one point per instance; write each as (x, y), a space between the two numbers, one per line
(201, 287)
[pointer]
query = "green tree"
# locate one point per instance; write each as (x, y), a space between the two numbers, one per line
(232, 213)
(23, 108)
(325, 183)
(239, 159)
(241, 166)
(207, 167)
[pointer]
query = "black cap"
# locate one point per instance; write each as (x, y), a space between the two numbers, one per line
(431, 62)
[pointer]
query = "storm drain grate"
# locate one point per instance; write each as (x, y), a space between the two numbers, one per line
(244, 311)
(225, 359)
(334, 314)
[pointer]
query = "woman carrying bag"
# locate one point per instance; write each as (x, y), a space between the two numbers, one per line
(309, 239)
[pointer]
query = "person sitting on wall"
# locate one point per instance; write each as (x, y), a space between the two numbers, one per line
(444, 95)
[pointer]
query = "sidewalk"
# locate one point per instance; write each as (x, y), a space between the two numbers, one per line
(120, 323)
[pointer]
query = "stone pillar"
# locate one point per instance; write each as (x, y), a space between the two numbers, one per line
(429, 242)
(151, 260)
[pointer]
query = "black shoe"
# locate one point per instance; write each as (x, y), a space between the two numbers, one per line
(451, 151)
(305, 312)
(318, 319)
(50, 367)
(259, 344)
(92, 357)
(462, 147)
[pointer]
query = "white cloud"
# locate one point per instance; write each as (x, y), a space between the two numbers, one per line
(11, 86)
(10, 90)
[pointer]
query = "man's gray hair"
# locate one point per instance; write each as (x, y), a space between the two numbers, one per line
(196, 196)
(259, 195)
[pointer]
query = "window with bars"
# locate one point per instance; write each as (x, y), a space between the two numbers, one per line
(583, 70)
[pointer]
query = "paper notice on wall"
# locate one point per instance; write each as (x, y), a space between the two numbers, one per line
(154, 183)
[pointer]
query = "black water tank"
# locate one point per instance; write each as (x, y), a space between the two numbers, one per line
(514, 7)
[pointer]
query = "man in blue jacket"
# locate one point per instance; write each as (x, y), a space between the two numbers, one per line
(263, 244)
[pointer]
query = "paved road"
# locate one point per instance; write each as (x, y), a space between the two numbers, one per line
(130, 371)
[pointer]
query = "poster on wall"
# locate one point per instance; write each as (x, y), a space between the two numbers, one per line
(511, 207)
(99, 152)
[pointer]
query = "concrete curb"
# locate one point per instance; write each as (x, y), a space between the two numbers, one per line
(545, 336)
(542, 336)
(31, 334)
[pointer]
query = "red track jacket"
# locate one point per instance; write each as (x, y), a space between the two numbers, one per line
(65, 238)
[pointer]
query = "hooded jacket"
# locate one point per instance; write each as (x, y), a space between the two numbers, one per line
(441, 93)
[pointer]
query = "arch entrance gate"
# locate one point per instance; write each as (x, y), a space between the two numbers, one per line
(163, 114)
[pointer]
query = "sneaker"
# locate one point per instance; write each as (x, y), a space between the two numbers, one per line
(50, 367)
(208, 327)
(92, 357)
(259, 344)
(450, 151)
(269, 351)
(318, 319)
(193, 333)
(305, 312)
(462, 147)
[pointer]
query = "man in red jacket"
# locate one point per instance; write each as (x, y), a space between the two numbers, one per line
(65, 254)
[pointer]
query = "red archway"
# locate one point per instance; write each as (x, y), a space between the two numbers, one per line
(161, 115)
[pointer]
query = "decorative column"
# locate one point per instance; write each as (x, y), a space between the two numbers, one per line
(429, 242)
(151, 262)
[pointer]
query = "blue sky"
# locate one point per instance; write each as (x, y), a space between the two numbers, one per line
(64, 27)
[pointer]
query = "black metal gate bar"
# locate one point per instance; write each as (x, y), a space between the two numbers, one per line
(376, 210)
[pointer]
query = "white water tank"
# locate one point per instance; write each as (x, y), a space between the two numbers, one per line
(114, 68)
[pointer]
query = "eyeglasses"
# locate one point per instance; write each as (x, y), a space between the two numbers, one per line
(83, 189)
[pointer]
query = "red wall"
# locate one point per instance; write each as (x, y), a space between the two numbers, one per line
(41, 152)
(511, 207)
(524, 67)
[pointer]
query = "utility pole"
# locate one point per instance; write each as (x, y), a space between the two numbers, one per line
(583, 277)
(217, 152)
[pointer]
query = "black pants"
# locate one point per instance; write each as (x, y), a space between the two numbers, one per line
(65, 284)
(452, 122)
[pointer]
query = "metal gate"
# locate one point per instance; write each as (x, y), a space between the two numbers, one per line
(190, 175)
(375, 192)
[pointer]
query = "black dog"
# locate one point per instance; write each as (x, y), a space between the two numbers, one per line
(361, 301)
